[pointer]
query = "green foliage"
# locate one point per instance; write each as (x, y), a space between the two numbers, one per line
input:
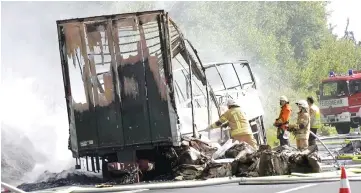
(288, 44)
(272, 140)
(337, 55)
(327, 131)
(271, 134)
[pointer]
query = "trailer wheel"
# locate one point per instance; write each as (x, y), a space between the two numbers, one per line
(343, 128)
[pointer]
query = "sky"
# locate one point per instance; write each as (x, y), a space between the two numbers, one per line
(341, 10)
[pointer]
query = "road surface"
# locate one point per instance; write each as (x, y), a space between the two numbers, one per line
(329, 187)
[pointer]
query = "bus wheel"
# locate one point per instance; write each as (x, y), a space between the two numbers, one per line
(342, 128)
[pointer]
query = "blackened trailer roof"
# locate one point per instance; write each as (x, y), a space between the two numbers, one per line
(106, 17)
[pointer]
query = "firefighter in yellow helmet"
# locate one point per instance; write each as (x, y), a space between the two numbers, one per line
(315, 120)
(239, 125)
(301, 129)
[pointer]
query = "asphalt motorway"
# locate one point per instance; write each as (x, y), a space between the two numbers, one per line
(329, 187)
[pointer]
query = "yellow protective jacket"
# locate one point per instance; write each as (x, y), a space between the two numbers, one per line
(236, 121)
(315, 117)
(302, 128)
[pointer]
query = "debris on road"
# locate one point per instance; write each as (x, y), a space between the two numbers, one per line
(195, 159)
(241, 159)
(64, 178)
(354, 146)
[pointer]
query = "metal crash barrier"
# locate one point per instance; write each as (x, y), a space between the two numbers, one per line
(10, 188)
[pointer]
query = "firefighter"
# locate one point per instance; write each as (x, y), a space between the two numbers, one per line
(282, 121)
(239, 125)
(315, 120)
(301, 129)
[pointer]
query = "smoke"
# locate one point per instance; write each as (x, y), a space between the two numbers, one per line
(33, 104)
(33, 95)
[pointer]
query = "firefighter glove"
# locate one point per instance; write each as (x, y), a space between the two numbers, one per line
(292, 127)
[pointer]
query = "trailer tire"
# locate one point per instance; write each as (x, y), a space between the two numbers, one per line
(343, 128)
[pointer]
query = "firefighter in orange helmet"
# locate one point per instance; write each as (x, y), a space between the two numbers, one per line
(282, 121)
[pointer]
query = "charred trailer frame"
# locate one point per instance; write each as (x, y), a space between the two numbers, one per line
(117, 73)
(120, 90)
(121, 108)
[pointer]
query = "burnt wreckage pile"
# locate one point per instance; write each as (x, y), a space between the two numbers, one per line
(199, 160)
(352, 147)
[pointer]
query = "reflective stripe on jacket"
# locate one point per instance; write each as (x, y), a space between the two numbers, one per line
(315, 117)
(236, 121)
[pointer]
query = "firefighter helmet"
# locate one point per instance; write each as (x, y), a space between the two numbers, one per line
(303, 104)
(231, 102)
(283, 98)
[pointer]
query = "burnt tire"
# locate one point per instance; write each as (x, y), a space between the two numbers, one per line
(343, 128)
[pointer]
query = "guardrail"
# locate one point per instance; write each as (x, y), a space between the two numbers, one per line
(12, 188)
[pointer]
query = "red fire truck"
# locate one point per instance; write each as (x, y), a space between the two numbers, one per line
(340, 101)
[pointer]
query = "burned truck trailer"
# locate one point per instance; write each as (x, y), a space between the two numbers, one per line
(120, 89)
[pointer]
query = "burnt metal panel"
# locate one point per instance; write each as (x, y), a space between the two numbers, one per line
(166, 45)
(109, 126)
(158, 106)
(106, 99)
(82, 89)
(157, 91)
(134, 103)
(86, 129)
(131, 103)
(72, 141)
(131, 72)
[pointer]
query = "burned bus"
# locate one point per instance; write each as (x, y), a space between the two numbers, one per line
(133, 87)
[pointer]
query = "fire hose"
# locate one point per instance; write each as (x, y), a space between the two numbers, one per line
(334, 158)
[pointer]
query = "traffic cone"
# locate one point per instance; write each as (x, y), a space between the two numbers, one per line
(345, 184)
